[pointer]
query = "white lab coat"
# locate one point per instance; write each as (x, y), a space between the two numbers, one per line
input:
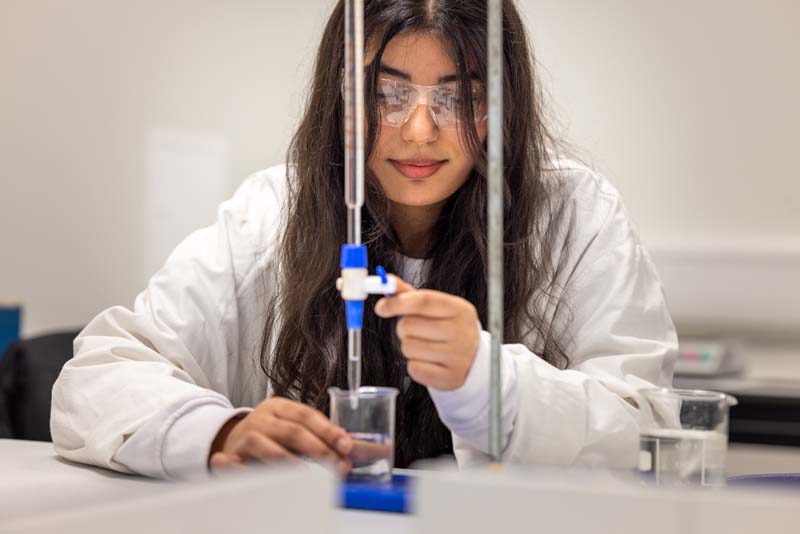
(149, 388)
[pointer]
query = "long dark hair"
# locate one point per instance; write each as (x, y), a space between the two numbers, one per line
(304, 345)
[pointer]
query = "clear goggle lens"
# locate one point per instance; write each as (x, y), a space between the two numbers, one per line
(397, 100)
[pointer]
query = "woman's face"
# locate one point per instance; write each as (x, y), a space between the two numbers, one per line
(417, 163)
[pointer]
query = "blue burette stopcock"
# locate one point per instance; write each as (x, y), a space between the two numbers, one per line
(356, 285)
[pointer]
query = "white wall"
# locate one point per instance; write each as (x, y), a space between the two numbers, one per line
(111, 110)
(691, 108)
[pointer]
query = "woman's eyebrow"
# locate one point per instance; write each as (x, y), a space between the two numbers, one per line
(391, 71)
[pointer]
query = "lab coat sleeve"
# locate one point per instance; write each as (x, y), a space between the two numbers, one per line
(623, 340)
(169, 364)
(465, 411)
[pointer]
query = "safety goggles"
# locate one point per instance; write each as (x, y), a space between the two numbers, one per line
(398, 99)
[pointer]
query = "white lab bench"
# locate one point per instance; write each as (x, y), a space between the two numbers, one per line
(41, 493)
(36, 484)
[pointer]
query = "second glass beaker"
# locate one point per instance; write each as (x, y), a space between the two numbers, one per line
(685, 442)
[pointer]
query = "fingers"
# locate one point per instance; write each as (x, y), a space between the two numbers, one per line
(256, 446)
(424, 302)
(425, 328)
(252, 446)
(432, 375)
(282, 429)
(222, 461)
(427, 351)
(402, 285)
(301, 441)
(365, 453)
(334, 438)
(438, 332)
(286, 437)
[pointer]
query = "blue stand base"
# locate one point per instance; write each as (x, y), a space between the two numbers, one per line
(784, 480)
(394, 496)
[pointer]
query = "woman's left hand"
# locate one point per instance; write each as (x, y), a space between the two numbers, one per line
(438, 334)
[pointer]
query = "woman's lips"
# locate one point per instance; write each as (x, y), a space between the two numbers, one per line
(417, 170)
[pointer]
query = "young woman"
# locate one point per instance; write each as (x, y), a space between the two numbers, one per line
(227, 355)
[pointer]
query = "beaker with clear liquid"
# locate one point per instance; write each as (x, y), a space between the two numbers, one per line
(368, 416)
(685, 443)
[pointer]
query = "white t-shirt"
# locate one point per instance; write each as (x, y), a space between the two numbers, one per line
(149, 388)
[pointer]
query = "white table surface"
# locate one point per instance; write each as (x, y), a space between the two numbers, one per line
(32, 476)
(33, 480)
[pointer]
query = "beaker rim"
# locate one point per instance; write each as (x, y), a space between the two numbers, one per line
(693, 394)
(368, 392)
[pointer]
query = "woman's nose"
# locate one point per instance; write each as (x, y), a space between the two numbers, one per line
(420, 127)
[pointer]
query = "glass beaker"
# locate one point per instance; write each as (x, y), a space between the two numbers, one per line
(686, 440)
(367, 415)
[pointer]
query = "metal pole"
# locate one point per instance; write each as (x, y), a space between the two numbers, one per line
(495, 216)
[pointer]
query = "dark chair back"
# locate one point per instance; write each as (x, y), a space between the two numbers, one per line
(28, 370)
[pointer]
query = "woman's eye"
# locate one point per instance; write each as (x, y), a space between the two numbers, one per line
(450, 100)
(393, 99)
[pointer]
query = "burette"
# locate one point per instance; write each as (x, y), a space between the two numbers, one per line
(355, 284)
(354, 161)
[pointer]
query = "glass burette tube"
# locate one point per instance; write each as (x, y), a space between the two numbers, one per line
(354, 154)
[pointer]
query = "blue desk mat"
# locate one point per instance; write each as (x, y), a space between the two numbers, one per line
(395, 496)
(783, 480)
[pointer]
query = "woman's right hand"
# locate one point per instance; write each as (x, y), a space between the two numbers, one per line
(281, 429)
